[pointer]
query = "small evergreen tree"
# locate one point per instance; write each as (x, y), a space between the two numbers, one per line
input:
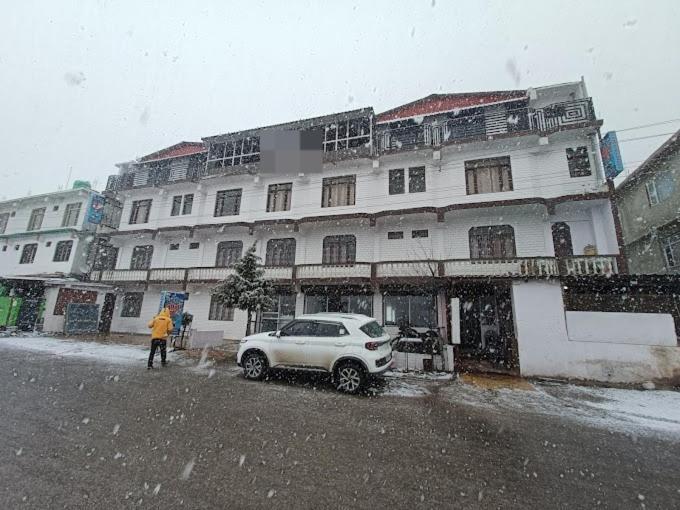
(246, 289)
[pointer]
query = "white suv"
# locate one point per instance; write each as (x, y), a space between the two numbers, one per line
(351, 347)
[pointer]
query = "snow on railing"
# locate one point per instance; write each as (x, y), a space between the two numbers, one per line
(209, 273)
(314, 271)
(407, 269)
(522, 267)
(605, 265)
(124, 275)
(161, 275)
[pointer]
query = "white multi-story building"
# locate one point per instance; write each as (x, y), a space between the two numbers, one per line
(438, 212)
(45, 246)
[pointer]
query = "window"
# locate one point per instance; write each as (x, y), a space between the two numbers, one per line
(4, 219)
(55, 208)
(141, 257)
(578, 161)
(67, 296)
(492, 242)
(415, 234)
(660, 187)
(106, 258)
(416, 179)
(278, 197)
(228, 252)
(339, 249)
(347, 134)
(395, 235)
(396, 179)
(28, 253)
(299, 328)
(63, 251)
(671, 249)
(71, 214)
(174, 246)
(182, 204)
(36, 219)
(328, 329)
(280, 252)
(219, 311)
(139, 213)
(228, 202)
(338, 191)
(336, 302)
(48, 243)
(281, 313)
(413, 310)
(233, 153)
(488, 175)
(132, 304)
(4, 248)
(194, 246)
(373, 329)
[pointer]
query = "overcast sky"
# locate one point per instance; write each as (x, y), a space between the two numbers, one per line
(85, 85)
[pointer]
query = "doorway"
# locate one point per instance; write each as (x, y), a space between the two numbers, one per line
(107, 312)
(561, 234)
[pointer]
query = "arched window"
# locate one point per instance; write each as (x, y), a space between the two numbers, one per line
(492, 242)
(280, 252)
(339, 249)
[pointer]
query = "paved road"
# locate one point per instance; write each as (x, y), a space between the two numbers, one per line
(83, 434)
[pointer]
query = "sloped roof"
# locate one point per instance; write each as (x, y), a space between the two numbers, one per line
(175, 151)
(435, 103)
(650, 165)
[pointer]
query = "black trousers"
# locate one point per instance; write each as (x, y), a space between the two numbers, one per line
(155, 344)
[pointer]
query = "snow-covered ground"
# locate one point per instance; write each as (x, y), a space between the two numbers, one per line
(622, 410)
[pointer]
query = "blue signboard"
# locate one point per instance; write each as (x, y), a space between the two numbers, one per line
(95, 211)
(611, 155)
(174, 301)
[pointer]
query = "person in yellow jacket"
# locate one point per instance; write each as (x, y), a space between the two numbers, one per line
(161, 326)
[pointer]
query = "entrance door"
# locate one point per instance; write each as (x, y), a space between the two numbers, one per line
(29, 313)
(561, 234)
(107, 312)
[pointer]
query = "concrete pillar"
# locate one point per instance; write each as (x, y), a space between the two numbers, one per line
(378, 305)
(299, 301)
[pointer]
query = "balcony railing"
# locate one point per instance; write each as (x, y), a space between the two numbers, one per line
(334, 271)
(602, 265)
(518, 267)
(515, 267)
(491, 121)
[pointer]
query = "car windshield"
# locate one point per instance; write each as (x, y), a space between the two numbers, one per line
(373, 329)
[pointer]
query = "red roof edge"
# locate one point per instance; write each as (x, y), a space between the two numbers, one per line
(178, 150)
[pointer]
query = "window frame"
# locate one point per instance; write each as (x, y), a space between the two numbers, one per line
(273, 192)
(70, 219)
(415, 180)
(667, 245)
(274, 252)
(575, 161)
(36, 219)
(222, 198)
(395, 235)
(330, 188)
(347, 134)
(135, 259)
(333, 248)
(233, 152)
(474, 166)
(396, 181)
(28, 253)
(224, 253)
(130, 307)
(420, 233)
(59, 249)
(143, 206)
(479, 254)
(218, 311)
(4, 221)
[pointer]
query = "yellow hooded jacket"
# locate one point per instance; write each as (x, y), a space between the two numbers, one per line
(161, 325)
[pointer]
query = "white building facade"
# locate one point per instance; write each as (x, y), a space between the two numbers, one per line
(425, 214)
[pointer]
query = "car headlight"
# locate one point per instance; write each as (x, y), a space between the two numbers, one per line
(243, 340)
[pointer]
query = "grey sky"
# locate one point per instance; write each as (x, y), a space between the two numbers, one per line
(85, 85)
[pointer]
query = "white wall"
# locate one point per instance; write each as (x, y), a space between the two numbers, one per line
(622, 328)
(43, 262)
(545, 348)
(55, 323)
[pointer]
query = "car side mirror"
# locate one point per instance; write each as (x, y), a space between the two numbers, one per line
(277, 334)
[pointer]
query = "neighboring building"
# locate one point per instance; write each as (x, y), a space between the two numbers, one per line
(45, 251)
(649, 206)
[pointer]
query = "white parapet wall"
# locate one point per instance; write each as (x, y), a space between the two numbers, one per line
(608, 347)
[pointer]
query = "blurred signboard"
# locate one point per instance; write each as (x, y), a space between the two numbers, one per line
(611, 155)
(95, 210)
(81, 318)
(174, 301)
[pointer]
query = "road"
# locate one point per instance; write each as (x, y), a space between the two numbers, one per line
(80, 433)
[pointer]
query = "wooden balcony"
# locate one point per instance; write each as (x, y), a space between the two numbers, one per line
(167, 275)
(124, 275)
(278, 272)
(208, 274)
(593, 265)
(515, 267)
(333, 271)
(407, 269)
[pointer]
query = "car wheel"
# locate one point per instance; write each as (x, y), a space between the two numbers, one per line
(350, 377)
(254, 366)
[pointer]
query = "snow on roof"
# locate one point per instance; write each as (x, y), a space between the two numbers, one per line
(178, 150)
(651, 163)
(435, 103)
